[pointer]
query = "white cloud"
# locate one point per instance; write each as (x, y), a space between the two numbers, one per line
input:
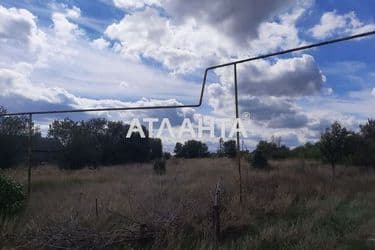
(332, 24)
(19, 26)
(193, 42)
(69, 73)
(100, 43)
(269, 92)
(296, 76)
(237, 19)
(134, 4)
(14, 84)
(281, 34)
(71, 70)
(63, 28)
(181, 49)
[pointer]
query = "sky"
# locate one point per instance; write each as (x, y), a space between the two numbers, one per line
(72, 54)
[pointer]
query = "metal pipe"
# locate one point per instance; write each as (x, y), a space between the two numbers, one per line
(238, 132)
(29, 154)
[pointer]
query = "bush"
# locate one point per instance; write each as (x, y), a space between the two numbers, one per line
(12, 197)
(258, 159)
(160, 167)
(230, 149)
(167, 155)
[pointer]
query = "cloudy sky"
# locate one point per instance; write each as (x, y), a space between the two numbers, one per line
(72, 54)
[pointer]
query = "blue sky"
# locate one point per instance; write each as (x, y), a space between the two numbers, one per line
(84, 54)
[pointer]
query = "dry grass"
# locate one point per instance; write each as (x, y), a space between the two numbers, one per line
(292, 206)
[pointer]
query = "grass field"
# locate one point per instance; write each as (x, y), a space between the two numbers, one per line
(291, 206)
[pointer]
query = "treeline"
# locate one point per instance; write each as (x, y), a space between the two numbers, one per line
(75, 145)
(13, 140)
(337, 145)
(96, 142)
(101, 142)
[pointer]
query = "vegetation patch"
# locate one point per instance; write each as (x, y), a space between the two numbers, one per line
(12, 197)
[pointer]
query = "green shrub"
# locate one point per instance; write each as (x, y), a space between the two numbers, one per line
(167, 155)
(258, 159)
(12, 197)
(160, 167)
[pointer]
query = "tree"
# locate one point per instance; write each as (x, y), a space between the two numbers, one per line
(156, 149)
(3, 110)
(220, 150)
(274, 149)
(98, 141)
(179, 150)
(14, 132)
(332, 143)
(267, 148)
(354, 152)
(258, 159)
(368, 149)
(307, 151)
(368, 130)
(230, 149)
(191, 149)
(195, 149)
(62, 130)
(167, 156)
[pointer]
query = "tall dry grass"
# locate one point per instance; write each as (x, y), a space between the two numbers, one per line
(292, 206)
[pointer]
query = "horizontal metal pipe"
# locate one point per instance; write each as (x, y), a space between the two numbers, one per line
(204, 80)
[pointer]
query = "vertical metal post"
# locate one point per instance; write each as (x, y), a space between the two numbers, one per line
(29, 154)
(238, 132)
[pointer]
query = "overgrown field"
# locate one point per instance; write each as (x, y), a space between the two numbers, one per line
(292, 206)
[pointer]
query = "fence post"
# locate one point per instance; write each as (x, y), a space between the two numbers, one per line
(216, 212)
(29, 155)
(238, 133)
(96, 208)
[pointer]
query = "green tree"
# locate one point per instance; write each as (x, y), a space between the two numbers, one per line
(307, 151)
(230, 149)
(274, 149)
(179, 150)
(195, 149)
(98, 141)
(258, 159)
(14, 132)
(368, 130)
(191, 149)
(332, 143)
(156, 149)
(368, 134)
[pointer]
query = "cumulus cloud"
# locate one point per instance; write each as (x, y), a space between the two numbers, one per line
(134, 4)
(66, 61)
(298, 76)
(262, 109)
(72, 70)
(180, 48)
(100, 43)
(297, 120)
(238, 19)
(279, 34)
(63, 28)
(269, 90)
(14, 84)
(184, 40)
(19, 26)
(332, 23)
